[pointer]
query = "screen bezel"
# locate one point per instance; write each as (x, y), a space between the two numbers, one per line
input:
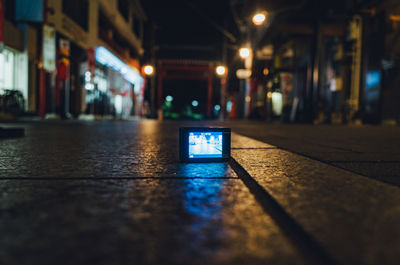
(184, 144)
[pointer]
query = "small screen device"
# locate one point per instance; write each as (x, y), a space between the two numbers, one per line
(204, 144)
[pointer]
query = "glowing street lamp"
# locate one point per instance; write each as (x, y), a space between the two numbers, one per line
(259, 18)
(244, 53)
(148, 69)
(220, 70)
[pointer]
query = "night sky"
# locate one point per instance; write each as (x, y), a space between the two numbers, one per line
(179, 24)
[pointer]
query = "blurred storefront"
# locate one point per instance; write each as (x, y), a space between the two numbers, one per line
(114, 88)
(13, 56)
(49, 48)
(320, 62)
(14, 71)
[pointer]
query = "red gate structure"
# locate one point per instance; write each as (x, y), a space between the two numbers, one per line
(185, 70)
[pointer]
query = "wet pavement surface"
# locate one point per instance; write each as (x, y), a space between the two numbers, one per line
(372, 151)
(354, 218)
(115, 193)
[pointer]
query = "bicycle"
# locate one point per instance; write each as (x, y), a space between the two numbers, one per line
(12, 101)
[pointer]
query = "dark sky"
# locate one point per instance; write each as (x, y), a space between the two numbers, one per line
(178, 23)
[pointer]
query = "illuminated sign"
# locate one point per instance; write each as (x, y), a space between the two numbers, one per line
(49, 48)
(243, 73)
(373, 79)
(105, 57)
(29, 10)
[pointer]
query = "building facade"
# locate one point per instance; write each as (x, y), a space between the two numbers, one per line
(79, 57)
(321, 62)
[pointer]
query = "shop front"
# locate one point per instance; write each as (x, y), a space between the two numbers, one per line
(113, 88)
(14, 73)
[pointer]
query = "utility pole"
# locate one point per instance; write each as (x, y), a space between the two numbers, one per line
(48, 40)
(224, 80)
(355, 67)
(42, 72)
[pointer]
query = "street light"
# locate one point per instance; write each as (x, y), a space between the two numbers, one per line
(244, 53)
(220, 70)
(259, 18)
(148, 69)
(222, 73)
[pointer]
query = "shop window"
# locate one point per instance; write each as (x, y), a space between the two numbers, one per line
(14, 71)
(6, 69)
(79, 15)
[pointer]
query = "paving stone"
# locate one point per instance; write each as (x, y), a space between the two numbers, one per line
(187, 221)
(115, 193)
(386, 171)
(240, 141)
(334, 144)
(98, 151)
(355, 218)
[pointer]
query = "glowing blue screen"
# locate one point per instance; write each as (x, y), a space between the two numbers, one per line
(205, 144)
(373, 79)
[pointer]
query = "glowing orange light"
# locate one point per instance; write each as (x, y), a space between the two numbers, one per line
(220, 70)
(148, 70)
(244, 52)
(259, 18)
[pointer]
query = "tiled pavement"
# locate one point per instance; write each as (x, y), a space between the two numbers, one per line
(115, 193)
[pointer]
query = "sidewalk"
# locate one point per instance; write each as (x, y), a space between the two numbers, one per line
(371, 151)
(355, 219)
(115, 193)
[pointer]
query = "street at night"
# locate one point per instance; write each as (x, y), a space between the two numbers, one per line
(199, 132)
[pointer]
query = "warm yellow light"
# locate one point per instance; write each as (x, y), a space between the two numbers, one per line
(248, 98)
(148, 70)
(244, 52)
(266, 71)
(220, 70)
(259, 18)
(243, 73)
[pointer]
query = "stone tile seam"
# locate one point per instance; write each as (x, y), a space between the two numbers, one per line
(251, 148)
(332, 164)
(328, 162)
(317, 144)
(111, 178)
(307, 245)
(362, 161)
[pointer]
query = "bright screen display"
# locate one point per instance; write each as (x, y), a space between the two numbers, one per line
(373, 79)
(205, 144)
